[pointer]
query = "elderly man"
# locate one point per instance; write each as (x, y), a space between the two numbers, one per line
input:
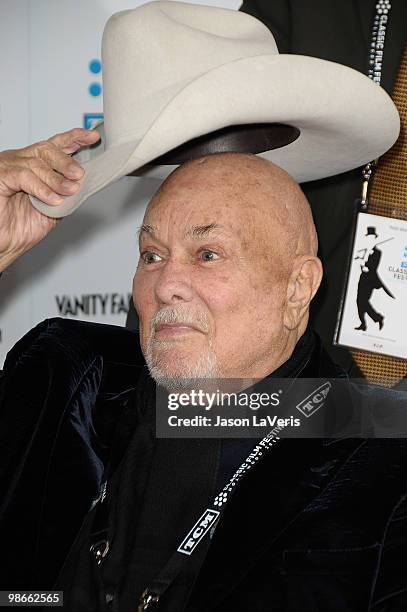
(227, 271)
(215, 272)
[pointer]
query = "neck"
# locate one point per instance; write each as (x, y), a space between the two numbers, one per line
(281, 353)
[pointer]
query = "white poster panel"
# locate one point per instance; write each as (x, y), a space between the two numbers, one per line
(14, 73)
(373, 316)
(51, 82)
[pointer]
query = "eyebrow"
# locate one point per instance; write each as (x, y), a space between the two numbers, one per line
(202, 231)
(148, 229)
(197, 231)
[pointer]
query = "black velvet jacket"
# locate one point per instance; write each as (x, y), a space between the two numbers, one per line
(318, 525)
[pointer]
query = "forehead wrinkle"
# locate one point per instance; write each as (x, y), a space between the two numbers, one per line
(268, 203)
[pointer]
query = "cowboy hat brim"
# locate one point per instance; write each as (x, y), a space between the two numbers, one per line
(337, 110)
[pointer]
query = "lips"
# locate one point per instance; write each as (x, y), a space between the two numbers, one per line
(171, 330)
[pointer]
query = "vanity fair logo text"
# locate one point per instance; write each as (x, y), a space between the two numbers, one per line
(93, 304)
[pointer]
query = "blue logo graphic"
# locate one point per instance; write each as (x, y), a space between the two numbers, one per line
(404, 264)
(95, 89)
(95, 66)
(90, 120)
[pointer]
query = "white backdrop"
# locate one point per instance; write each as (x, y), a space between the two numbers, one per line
(84, 268)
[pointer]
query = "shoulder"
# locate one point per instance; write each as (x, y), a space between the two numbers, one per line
(65, 335)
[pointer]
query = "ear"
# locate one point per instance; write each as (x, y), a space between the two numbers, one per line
(303, 284)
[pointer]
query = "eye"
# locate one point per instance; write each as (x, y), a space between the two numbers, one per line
(209, 255)
(150, 258)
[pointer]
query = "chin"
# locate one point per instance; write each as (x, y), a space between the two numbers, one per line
(179, 369)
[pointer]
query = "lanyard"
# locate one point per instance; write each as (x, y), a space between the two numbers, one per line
(208, 520)
(376, 53)
(203, 527)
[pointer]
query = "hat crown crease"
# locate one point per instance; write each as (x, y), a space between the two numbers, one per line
(167, 29)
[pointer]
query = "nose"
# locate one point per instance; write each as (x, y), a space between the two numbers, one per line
(174, 283)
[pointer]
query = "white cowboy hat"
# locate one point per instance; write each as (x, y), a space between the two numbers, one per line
(174, 71)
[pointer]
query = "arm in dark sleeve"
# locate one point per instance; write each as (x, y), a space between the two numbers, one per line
(276, 15)
(391, 585)
(50, 470)
(63, 390)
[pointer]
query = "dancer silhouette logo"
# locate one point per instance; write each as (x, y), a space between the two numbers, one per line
(369, 257)
(376, 290)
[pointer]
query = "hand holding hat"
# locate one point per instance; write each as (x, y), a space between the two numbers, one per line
(44, 170)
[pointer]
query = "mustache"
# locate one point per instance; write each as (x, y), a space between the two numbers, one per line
(180, 314)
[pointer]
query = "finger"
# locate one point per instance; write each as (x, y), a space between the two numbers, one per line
(72, 140)
(56, 181)
(26, 180)
(61, 162)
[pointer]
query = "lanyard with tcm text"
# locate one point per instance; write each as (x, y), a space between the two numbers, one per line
(208, 519)
(203, 527)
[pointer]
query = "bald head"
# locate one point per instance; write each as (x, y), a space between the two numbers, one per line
(270, 200)
(229, 242)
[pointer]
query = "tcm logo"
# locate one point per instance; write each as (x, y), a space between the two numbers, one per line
(315, 400)
(198, 531)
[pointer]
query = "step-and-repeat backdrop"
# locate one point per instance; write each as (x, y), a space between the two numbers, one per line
(51, 79)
